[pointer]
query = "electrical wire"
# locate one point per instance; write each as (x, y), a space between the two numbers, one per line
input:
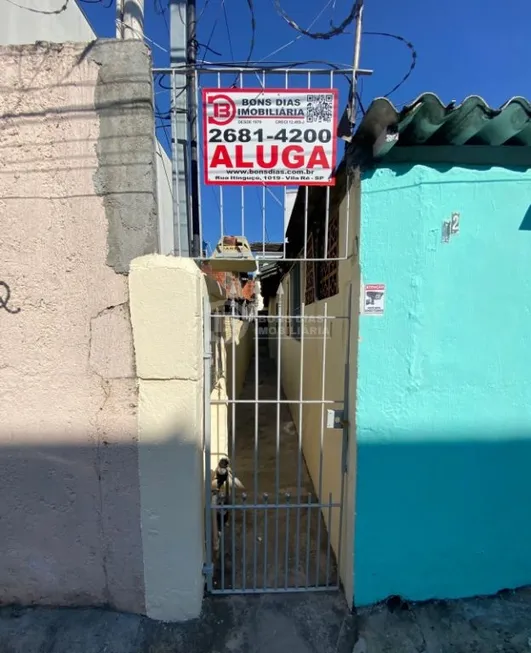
(202, 11)
(228, 29)
(209, 41)
(413, 53)
(334, 31)
(299, 36)
(333, 13)
(253, 30)
(48, 12)
(141, 35)
(166, 115)
(161, 11)
(95, 2)
(277, 65)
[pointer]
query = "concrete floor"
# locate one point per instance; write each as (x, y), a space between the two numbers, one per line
(301, 623)
(276, 547)
(308, 623)
(496, 624)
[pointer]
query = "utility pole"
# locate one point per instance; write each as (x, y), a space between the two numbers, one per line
(197, 245)
(179, 126)
(119, 19)
(348, 119)
(357, 53)
(133, 18)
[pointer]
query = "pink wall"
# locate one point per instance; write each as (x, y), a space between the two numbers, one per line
(69, 515)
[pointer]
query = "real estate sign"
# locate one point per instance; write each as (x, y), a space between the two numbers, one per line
(269, 136)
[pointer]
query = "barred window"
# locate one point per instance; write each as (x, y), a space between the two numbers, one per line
(328, 270)
(310, 289)
(216, 364)
(322, 276)
(295, 300)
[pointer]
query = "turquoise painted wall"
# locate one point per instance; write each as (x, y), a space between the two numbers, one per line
(443, 416)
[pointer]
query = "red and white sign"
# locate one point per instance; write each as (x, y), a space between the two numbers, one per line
(373, 299)
(269, 136)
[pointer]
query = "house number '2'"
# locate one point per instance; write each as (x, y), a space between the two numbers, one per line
(450, 227)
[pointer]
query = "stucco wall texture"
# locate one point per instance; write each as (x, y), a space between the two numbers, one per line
(443, 412)
(70, 509)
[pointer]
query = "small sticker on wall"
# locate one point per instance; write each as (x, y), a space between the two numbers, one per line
(373, 299)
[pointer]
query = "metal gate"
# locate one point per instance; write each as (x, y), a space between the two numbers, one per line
(275, 445)
(270, 524)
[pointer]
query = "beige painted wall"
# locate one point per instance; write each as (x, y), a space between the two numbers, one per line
(70, 509)
(334, 374)
(166, 295)
(239, 340)
(219, 433)
(233, 346)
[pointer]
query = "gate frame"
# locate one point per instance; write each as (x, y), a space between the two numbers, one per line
(345, 519)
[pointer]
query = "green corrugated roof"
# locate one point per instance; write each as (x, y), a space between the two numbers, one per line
(428, 121)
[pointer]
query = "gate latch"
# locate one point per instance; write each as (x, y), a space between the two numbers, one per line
(335, 419)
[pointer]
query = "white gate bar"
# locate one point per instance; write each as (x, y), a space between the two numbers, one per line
(207, 362)
(267, 506)
(244, 548)
(275, 69)
(308, 318)
(299, 443)
(233, 434)
(329, 542)
(308, 541)
(321, 445)
(274, 401)
(277, 470)
(344, 448)
(255, 528)
(286, 549)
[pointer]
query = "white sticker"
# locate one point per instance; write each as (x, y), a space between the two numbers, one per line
(373, 299)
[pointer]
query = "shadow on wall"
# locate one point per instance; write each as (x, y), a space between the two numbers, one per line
(526, 222)
(402, 168)
(71, 519)
(442, 515)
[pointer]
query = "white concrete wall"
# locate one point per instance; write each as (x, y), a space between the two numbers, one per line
(165, 201)
(166, 296)
(20, 26)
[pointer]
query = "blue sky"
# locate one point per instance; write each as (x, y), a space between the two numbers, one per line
(463, 47)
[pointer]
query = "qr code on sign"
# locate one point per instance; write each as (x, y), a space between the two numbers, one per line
(319, 108)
